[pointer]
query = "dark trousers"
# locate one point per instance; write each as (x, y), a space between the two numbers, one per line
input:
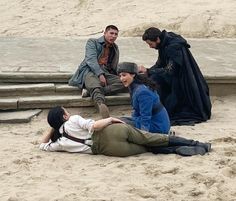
(178, 145)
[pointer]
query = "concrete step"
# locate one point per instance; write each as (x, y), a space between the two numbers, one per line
(221, 85)
(44, 90)
(10, 90)
(63, 77)
(48, 101)
(34, 77)
(30, 84)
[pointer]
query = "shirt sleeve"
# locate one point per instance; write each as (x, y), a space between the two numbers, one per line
(51, 146)
(65, 144)
(86, 124)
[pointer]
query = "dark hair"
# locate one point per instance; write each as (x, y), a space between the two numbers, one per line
(55, 120)
(111, 27)
(143, 79)
(151, 34)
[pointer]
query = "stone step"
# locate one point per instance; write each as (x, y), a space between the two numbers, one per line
(63, 77)
(10, 90)
(219, 85)
(34, 77)
(49, 101)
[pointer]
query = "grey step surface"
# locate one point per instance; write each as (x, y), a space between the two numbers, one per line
(18, 86)
(63, 77)
(49, 61)
(48, 101)
(18, 116)
(216, 57)
(34, 77)
(10, 90)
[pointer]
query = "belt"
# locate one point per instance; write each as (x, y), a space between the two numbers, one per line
(87, 141)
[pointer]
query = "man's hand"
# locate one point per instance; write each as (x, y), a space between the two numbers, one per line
(102, 123)
(142, 70)
(116, 120)
(103, 80)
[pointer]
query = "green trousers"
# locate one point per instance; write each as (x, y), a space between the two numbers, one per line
(97, 91)
(124, 140)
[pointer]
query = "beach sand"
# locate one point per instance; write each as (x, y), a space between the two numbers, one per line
(28, 174)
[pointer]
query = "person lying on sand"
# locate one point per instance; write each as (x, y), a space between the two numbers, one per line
(110, 137)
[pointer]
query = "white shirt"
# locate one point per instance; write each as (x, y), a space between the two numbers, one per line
(76, 126)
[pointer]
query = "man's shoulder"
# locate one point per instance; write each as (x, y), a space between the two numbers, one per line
(175, 41)
(100, 39)
(93, 40)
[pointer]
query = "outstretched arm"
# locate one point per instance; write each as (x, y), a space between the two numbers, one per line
(102, 123)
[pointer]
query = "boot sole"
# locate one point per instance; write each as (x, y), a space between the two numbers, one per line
(104, 111)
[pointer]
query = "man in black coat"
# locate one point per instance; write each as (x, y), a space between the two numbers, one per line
(182, 87)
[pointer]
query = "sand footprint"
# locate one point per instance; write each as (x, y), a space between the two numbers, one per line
(144, 193)
(225, 139)
(229, 171)
(199, 178)
(171, 171)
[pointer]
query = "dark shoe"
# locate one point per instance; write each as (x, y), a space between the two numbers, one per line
(103, 110)
(180, 141)
(190, 150)
(206, 146)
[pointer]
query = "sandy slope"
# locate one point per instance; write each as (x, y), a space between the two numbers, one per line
(60, 18)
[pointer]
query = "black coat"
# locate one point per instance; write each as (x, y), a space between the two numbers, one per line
(182, 87)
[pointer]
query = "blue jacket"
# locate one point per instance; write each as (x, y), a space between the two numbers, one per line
(148, 112)
(93, 51)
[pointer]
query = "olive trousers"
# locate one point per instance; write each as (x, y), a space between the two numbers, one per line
(97, 91)
(124, 140)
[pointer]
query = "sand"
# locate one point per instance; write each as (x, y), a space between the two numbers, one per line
(61, 18)
(28, 174)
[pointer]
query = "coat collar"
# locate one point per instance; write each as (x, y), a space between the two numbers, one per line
(101, 40)
(133, 86)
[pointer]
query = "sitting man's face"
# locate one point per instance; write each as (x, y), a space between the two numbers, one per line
(111, 35)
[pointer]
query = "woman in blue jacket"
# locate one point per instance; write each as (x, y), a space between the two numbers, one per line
(148, 112)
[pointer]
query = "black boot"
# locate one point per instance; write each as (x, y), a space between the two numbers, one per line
(190, 150)
(179, 141)
(180, 150)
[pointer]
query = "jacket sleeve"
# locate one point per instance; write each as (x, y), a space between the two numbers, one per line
(165, 71)
(154, 68)
(91, 57)
(145, 103)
